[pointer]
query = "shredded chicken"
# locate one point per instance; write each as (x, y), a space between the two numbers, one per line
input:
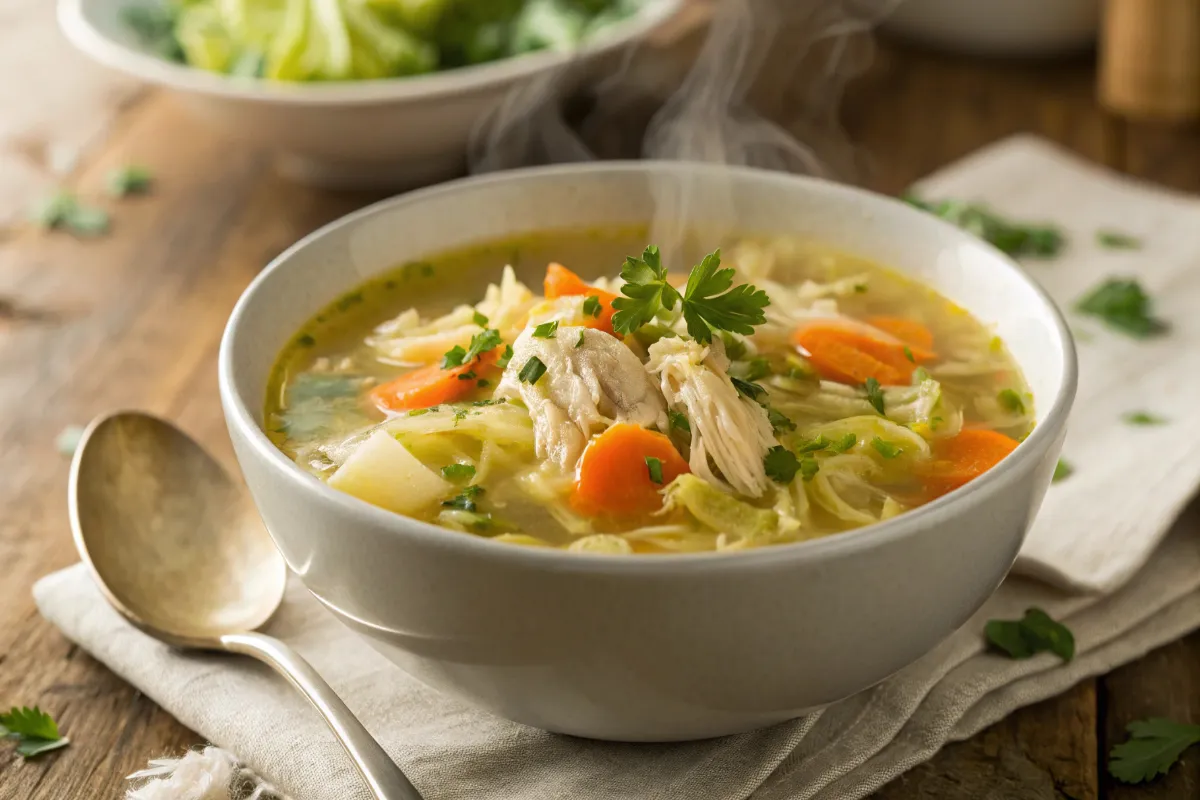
(586, 388)
(730, 429)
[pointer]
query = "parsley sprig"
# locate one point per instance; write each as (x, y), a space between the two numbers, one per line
(710, 302)
(33, 729)
(1153, 747)
(481, 343)
(1034, 633)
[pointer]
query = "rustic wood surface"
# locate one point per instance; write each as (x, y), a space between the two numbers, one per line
(134, 319)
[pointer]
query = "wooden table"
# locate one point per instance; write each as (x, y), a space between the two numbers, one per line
(133, 320)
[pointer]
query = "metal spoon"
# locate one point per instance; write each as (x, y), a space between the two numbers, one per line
(178, 550)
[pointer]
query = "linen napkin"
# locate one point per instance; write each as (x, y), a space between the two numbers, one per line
(1102, 529)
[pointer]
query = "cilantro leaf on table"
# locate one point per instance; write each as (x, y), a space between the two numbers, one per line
(1034, 633)
(1014, 238)
(1124, 306)
(1114, 240)
(63, 211)
(1062, 470)
(1143, 418)
(129, 180)
(1153, 747)
(33, 729)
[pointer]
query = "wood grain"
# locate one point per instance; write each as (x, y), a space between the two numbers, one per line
(134, 320)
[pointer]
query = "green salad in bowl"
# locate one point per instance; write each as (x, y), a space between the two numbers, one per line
(341, 40)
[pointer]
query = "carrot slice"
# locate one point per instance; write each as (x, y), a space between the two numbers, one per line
(562, 282)
(841, 353)
(963, 458)
(614, 479)
(431, 386)
(909, 331)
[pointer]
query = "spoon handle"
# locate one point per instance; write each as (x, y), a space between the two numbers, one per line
(384, 778)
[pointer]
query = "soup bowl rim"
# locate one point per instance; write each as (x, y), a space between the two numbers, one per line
(907, 524)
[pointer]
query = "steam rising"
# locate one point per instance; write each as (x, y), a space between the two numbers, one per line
(716, 113)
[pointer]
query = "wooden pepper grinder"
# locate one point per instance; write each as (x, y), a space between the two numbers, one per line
(1150, 59)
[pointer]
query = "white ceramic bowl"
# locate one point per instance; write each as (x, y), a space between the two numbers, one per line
(398, 132)
(1022, 28)
(650, 648)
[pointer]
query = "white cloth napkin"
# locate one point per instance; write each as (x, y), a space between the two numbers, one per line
(1103, 525)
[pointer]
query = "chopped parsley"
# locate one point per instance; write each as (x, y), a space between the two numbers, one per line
(458, 472)
(735, 348)
(1118, 241)
(33, 729)
(1124, 306)
(780, 423)
(129, 180)
(820, 443)
(546, 330)
(874, 395)
(479, 319)
(757, 368)
(481, 343)
(1034, 633)
(1144, 418)
(464, 500)
(654, 465)
(885, 449)
(709, 302)
(305, 340)
(813, 445)
(505, 357)
(781, 464)
(1062, 470)
(845, 443)
(809, 467)
(1010, 400)
(532, 372)
(747, 389)
(1014, 238)
(908, 353)
(63, 211)
(1153, 747)
(459, 415)
(678, 421)
(416, 412)
(469, 375)
(591, 306)
(579, 341)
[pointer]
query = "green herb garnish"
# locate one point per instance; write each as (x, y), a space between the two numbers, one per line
(479, 319)
(1062, 470)
(709, 302)
(1010, 400)
(756, 369)
(908, 353)
(654, 465)
(1153, 747)
(781, 464)
(845, 443)
(481, 343)
(34, 731)
(809, 467)
(678, 421)
(874, 395)
(505, 357)
(579, 341)
(780, 423)
(885, 449)
(1144, 418)
(591, 306)
(1124, 306)
(63, 211)
(469, 375)
(735, 348)
(532, 372)
(1118, 241)
(747, 389)
(546, 330)
(482, 383)
(465, 500)
(813, 445)
(1014, 238)
(129, 180)
(459, 415)
(920, 375)
(1034, 633)
(458, 472)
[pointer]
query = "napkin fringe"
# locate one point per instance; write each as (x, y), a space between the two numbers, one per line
(207, 773)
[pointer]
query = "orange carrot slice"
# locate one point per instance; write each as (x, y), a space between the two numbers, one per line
(431, 386)
(562, 282)
(842, 353)
(912, 333)
(614, 478)
(961, 459)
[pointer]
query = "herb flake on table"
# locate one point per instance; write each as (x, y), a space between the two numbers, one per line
(1144, 418)
(1014, 238)
(1153, 747)
(129, 180)
(1062, 471)
(1113, 240)
(1034, 633)
(1124, 306)
(63, 211)
(34, 731)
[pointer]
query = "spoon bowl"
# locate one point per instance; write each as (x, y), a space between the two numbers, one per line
(176, 547)
(170, 537)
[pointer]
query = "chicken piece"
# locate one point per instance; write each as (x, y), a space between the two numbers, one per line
(731, 429)
(592, 381)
